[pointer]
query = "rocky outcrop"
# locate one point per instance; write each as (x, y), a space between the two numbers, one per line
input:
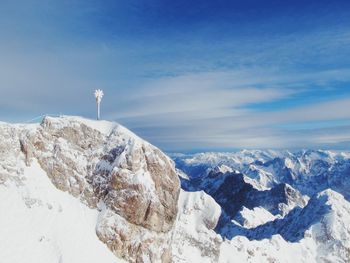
(104, 164)
(10, 152)
(129, 241)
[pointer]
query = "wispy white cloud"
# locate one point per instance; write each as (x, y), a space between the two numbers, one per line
(213, 110)
(198, 96)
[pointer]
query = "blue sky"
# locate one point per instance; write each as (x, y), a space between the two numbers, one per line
(185, 75)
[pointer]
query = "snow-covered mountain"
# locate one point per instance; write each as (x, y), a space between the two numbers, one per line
(77, 190)
(274, 201)
(308, 171)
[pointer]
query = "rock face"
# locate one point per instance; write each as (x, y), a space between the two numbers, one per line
(109, 168)
(143, 186)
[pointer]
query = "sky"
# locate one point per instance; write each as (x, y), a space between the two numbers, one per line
(185, 75)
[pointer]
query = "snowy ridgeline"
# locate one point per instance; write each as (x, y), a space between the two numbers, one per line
(77, 190)
(308, 171)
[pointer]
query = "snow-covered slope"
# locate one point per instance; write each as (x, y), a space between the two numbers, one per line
(40, 223)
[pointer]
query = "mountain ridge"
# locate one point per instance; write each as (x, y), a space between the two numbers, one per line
(102, 162)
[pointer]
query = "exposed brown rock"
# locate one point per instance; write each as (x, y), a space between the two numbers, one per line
(136, 181)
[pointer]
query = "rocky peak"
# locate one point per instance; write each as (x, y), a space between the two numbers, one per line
(103, 162)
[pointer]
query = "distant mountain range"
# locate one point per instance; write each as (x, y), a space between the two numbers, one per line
(301, 198)
(308, 171)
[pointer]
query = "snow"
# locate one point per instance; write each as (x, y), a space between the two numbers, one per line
(257, 216)
(40, 223)
(275, 249)
(105, 127)
(195, 242)
(207, 211)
